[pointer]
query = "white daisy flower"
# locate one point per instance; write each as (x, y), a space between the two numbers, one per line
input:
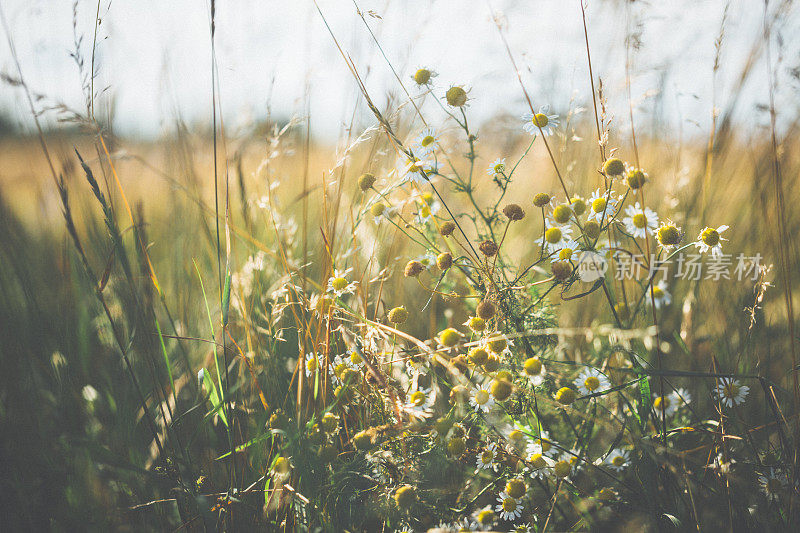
(639, 221)
(481, 399)
(541, 444)
(670, 403)
(556, 237)
(426, 211)
(508, 507)
(568, 250)
(426, 142)
(535, 371)
(498, 167)
(573, 458)
(423, 76)
(772, 484)
(590, 381)
(313, 362)
(415, 169)
(618, 459)
(661, 296)
(711, 239)
(538, 465)
(419, 404)
(533, 123)
(517, 438)
(338, 284)
(731, 392)
(486, 459)
(602, 205)
(681, 396)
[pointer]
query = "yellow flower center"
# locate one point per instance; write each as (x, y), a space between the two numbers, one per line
(639, 220)
(427, 140)
(540, 120)
(562, 214)
(710, 237)
(486, 517)
(355, 358)
(515, 435)
(422, 76)
(533, 366)
(618, 460)
(427, 198)
(658, 292)
(311, 364)
(487, 457)
(339, 284)
(425, 211)
(591, 383)
(599, 205)
(418, 398)
(553, 235)
(562, 468)
(578, 206)
(509, 505)
(481, 397)
(537, 460)
(565, 254)
(731, 390)
(544, 444)
(499, 168)
(661, 403)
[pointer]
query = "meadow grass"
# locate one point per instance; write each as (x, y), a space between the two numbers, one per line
(215, 332)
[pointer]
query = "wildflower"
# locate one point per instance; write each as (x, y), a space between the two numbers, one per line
(661, 296)
(426, 211)
(508, 507)
(561, 270)
(614, 167)
(556, 238)
(486, 309)
(513, 212)
(541, 444)
(486, 459)
(398, 315)
(566, 252)
(366, 181)
(618, 459)
(492, 363)
(592, 229)
(497, 343)
(501, 389)
(426, 142)
(670, 403)
(498, 167)
(476, 324)
(338, 284)
(562, 468)
(637, 178)
(562, 214)
(420, 403)
(481, 400)
(417, 170)
(282, 466)
(538, 464)
(312, 364)
(488, 248)
(456, 446)
(541, 199)
(591, 381)
(540, 121)
(710, 239)
(478, 355)
(565, 396)
(449, 337)
(413, 269)
(639, 220)
(602, 205)
(516, 488)
(447, 229)
(330, 422)
(578, 205)
(731, 392)
(423, 76)
(534, 369)
(456, 96)
(668, 235)
(405, 497)
(485, 517)
(444, 260)
(772, 484)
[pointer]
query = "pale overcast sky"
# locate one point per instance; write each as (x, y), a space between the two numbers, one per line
(154, 55)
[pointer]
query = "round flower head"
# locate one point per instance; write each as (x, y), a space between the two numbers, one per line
(538, 464)
(486, 309)
(568, 251)
(481, 400)
(669, 235)
(578, 205)
(591, 381)
(561, 270)
(447, 228)
(556, 238)
(508, 507)
(486, 459)
(398, 315)
(614, 167)
(565, 396)
(534, 369)
(562, 468)
(516, 488)
(636, 178)
(501, 389)
(562, 214)
(711, 239)
(661, 296)
(601, 205)
(449, 337)
(772, 484)
(417, 170)
(338, 284)
(731, 392)
(377, 209)
(541, 199)
(405, 497)
(592, 229)
(496, 343)
(413, 269)
(618, 459)
(484, 518)
(366, 181)
(444, 260)
(498, 167)
(639, 220)
(476, 324)
(514, 212)
(419, 403)
(488, 248)
(665, 405)
(533, 123)
(456, 446)
(456, 96)
(426, 142)
(478, 355)
(423, 76)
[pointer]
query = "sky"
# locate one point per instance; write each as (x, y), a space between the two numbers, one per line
(154, 57)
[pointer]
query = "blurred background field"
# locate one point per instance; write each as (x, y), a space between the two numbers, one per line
(75, 453)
